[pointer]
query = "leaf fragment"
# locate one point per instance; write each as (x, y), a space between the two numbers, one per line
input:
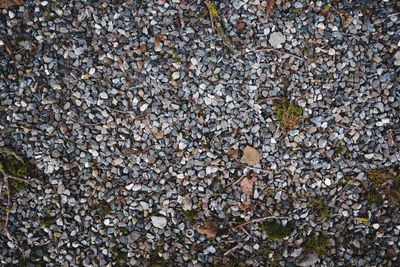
(250, 155)
(270, 5)
(120, 64)
(210, 228)
(10, 3)
(157, 39)
(247, 185)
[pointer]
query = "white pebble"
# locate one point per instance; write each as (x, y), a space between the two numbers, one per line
(103, 95)
(328, 182)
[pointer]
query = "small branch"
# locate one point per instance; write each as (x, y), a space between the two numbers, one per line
(252, 107)
(270, 49)
(263, 100)
(258, 220)
(120, 111)
(23, 180)
(232, 249)
(237, 181)
(216, 20)
(8, 208)
(340, 193)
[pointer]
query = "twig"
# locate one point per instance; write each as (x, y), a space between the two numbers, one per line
(270, 49)
(23, 180)
(340, 193)
(120, 111)
(8, 208)
(257, 220)
(258, 169)
(232, 249)
(247, 233)
(394, 14)
(269, 99)
(237, 181)
(215, 18)
(256, 110)
(342, 125)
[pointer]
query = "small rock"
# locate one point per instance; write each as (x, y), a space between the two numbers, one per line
(307, 259)
(159, 221)
(103, 95)
(276, 39)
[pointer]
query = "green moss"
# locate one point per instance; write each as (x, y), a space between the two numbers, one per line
(317, 244)
(276, 231)
(13, 164)
(121, 257)
(266, 251)
(289, 115)
(384, 182)
(320, 207)
(47, 221)
(373, 197)
(155, 260)
(102, 208)
(190, 215)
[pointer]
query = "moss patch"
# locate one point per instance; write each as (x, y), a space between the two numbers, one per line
(120, 257)
(317, 244)
(190, 215)
(384, 182)
(276, 231)
(102, 208)
(320, 207)
(14, 165)
(289, 115)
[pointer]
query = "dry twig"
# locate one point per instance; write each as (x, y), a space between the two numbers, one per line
(258, 220)
(270, 49)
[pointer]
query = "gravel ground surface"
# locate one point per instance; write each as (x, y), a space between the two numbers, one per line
(152, 144)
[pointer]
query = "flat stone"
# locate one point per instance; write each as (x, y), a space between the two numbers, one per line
(159, 221)
(276, 39)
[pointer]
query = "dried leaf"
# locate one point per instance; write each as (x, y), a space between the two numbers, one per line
(390, 141)
(247, 185)
(233, 153)
(270, 5)
(240, 26)
(250, 155)
(210, 229)
(246, 205)
(157, 39)
(9, 50)
(120, 64)
(178, 23)
(10, 3)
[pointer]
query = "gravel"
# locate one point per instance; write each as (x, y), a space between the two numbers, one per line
(136, 117)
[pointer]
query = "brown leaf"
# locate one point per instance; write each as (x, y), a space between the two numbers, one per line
(210, 228)
(178, 23)
(157, 39)
(240, 26)
(246, 205)
(233, 153)
(247, 185)
(10, 3)
(390, 141)
(250, 155)
(270, 5)
(120, 64)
